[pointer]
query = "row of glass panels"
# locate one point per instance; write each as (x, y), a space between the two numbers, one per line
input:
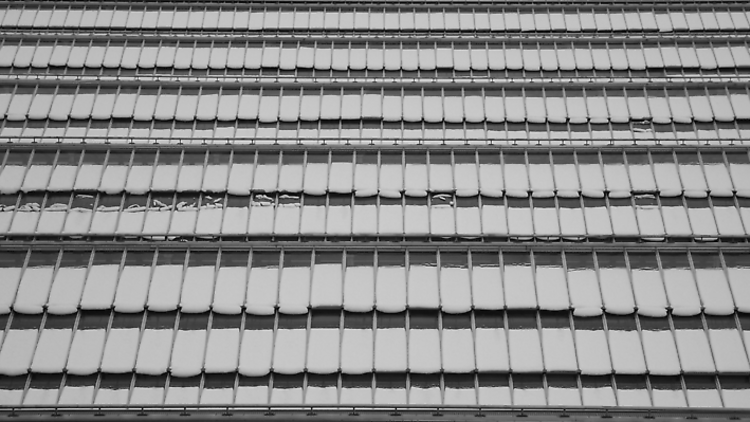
(678, 75)
(439, 215)
(268, 105)
(350, 143)
(369, 132)
(372, 133)
(358, 143)
(419, 76)
(585, 19)
(382, 389)
(419, 342)
(341, 56)
(368, 172)
(647, 283)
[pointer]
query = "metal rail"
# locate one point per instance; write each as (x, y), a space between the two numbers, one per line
(218, 81)
(374, 82)
(364, 34)
(418, 4)
(357, 144)
(439, 37)
(407, 245)
(364, 412)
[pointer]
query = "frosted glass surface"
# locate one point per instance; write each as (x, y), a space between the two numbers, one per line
(164, 291)
(491, 349)
(584, 291)
(197, 289)
(154, 352)
(390, 289)
(739, 280)
(487, 287)
(494, 219)
(229, 295)
(702, 221)
(262, 290)
(694, 350)
(597, 221)
(525, 351)
(559, 352)
(669, 398)
(359, 288)
(562, 396)
(726, 345)
(256, 352)
(132, 289)
(289, 351)
(616, 290)
(222, 350)
(323, 350)
(120, 350)
(593, 352)
(52, 350)
(714, 291)
(458, 350)
(9, 279)
(460, 396)
(390, 350)
(627, 353)
(529, 397)
(424, 351)
(86, 352)
(294, 290)
(649, 291)
(33, 290)
(357, 351)
(494, 395)
(423, 287)
(703, 398)
(326, 290)
(455, 290)
(552, 288)
(519, 287)
(598, 396)
(682, 291)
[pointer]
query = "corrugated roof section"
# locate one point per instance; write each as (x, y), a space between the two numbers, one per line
(358, 204)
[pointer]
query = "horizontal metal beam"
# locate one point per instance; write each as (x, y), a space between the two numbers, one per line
(374, 82)
(354, 144)
(416, 4)
(116, 37)
(358, 82)
(372, 245)
(365, 413)
(365, 34)
(252, 144)
(133, 80)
